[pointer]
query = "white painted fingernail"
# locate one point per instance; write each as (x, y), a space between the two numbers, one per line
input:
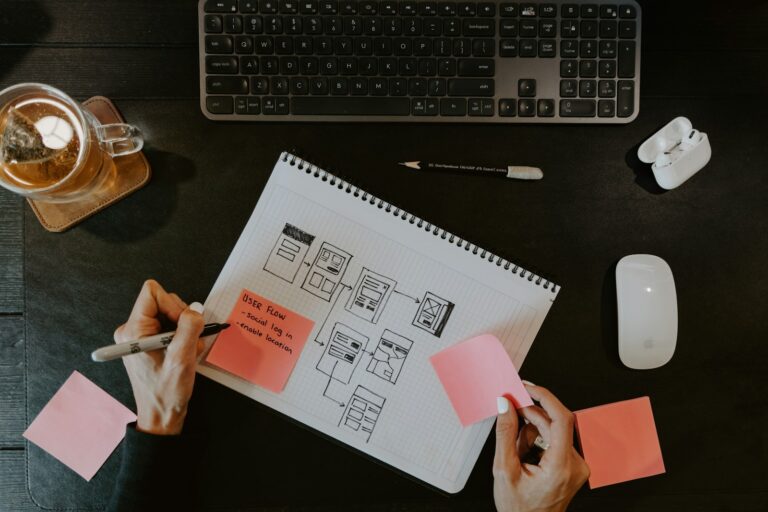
(540, 443)
(528, 383)
(502, 404)
(197, 307)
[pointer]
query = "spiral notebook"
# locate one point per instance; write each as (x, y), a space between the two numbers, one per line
(384, 291)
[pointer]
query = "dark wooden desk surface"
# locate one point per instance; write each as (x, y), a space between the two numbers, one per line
(706, 60)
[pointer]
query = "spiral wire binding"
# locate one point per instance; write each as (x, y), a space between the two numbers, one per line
(349, 188)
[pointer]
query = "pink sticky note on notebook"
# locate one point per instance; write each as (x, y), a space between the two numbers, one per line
(475, 373)
(81, 425)
(619, 442)
(263, 343)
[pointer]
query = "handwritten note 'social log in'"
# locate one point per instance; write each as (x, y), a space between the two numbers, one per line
(263, 344)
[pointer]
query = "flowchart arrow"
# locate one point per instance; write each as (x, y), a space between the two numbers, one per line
(414, 299)
(330, 378)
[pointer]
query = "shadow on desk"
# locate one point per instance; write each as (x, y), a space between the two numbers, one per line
(141, 214)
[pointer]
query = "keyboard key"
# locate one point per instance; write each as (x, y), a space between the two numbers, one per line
(269, 106)
(470, 87)
(625, 99)
(570, 11)
(569, 68)
(466, 9)
(627, 29)
(507, 107)
(606, 108)
(588, 49)
(279, 85)
(233, 24)
(476, 67)
(268, 6)
(243, 44)
(329, 7)
(269, 65)
(419, 106)
(241, 105)
(299, 86)
(407, 8)
(486, 9)
(253, 105)
(528, 11)
(226, 85)
(548, 10)
(608, 29)
(547, 28)
(427, 67)
(607, 50)
(282, 106)
(606, 88)
(249, 65)
(248, 6)
(213, 24)
(417, 87)
(587, 88)
(437, 87)
(451, 27)
(528, 28)
(569, 49)
(568, 88)
(338, 86)
(487, 106)
(446, 67)
(478, 28)
(348, 7)
(446, 9)
(577, 108)
(589, 11)
(253, 24)
(483, 48)
(368, 8)
(259, 85)
(508, 48)
(309, 65)
(508, 28)
(318, 86)
(220, 6)
(526, 107)
(350, 106)
(626, 65)
(545, 108)
(587, 68)
(219, 104)
(221, 65)
(218, 44)
(569, 29)
(453, 107)
(588, 29)
(547, 48)
(528, 48)
(526, 88)
(308, 7)
(508, 10)
(608, 11)
(627, 11)
(289, 66)
(606, 69)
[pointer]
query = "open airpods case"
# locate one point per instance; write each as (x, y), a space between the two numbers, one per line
(676, 152)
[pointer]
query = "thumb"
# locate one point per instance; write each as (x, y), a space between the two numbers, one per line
(506, 459)
(183, 348)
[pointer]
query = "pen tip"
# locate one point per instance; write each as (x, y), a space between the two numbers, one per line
(224, 326)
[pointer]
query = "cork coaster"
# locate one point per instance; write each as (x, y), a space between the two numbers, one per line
(130, 174)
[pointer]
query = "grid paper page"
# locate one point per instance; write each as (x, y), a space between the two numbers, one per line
(385, 295)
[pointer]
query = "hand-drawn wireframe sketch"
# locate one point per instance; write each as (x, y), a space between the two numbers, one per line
(288, 253)
(433, 314)
(362, 412)
(370, 295)
(342, 353)
(326, 271)
(389, 356)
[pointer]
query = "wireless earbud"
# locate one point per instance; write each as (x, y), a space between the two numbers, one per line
(691, 139)
(663, 160)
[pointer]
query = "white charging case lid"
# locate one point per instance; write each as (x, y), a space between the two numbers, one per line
(688, 164)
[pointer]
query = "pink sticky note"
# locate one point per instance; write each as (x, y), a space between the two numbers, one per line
(263, 343)
(81, 425)
(475, 373)
(619, 442)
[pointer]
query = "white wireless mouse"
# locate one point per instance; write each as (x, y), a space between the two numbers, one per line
(647, 310)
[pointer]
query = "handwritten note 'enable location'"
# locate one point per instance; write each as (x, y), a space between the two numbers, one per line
(263, 343)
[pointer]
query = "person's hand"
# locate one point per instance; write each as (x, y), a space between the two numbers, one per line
(162, 380)
(549, 485)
